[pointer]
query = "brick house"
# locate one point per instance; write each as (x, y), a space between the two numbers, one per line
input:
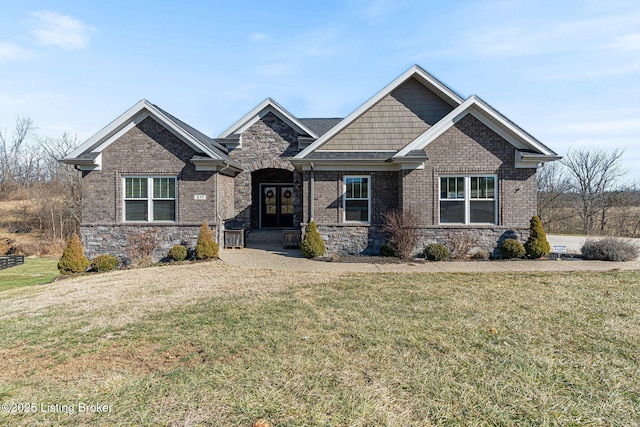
(415, 145)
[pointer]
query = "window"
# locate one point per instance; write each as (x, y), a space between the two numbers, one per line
(356, 198)
(468, 200)
(160, 205)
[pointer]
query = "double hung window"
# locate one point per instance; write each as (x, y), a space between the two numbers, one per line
(150, 199)
(468, 200)
(357, 199)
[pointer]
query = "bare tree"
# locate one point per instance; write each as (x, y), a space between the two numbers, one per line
(553, 186)
(11, 147)
(59, 201)
(594, 175)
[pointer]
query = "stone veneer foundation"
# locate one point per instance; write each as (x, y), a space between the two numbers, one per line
(114, 240)
(367, 240)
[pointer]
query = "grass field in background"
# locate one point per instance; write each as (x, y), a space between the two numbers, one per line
(365, 350)
(34, 271)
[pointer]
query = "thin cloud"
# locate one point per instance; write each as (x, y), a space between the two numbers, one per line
(259, 37)
(66, 32)
(12, 52)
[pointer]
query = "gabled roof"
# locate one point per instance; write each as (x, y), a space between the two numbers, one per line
(143, 109)
(416, 72)
(521, 140)
(265, 107)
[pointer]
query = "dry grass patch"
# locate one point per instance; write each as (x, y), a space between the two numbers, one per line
(217, 345)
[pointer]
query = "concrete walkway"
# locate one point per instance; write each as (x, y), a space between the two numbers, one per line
(272, 258)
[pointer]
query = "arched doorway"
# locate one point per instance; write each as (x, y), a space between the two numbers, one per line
(272, 198)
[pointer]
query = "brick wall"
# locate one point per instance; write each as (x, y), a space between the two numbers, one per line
(458, 151)
(146, 150)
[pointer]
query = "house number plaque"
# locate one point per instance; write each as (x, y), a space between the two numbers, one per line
(199, 197)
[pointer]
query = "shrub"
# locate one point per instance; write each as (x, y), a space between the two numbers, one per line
(389, 250)
(402, 230)
(312, 245)
(436, 252)
(460, 244)
(73, 259)
(537, 244)
(480, 254)
(610, 249)
(177, 253)
(104, 263)
(206, 248)
(141, 246)
(511, 248)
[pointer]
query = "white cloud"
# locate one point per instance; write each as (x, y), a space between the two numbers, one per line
(259, 37)
(66, 32)
(12, 52)
(627, 42)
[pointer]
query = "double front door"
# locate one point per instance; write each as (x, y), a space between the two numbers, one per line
(276, 205)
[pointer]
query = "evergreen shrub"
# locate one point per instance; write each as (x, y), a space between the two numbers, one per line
(436, 252)
(177, 253)
(312, 245)
(537, 244)
(511, 248)
(206, 248)
(104, 263)
(73, 259)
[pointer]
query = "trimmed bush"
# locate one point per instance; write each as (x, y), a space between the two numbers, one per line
(511, 248)
(388, 250)
(73, 259)
(436, 252)
(104, 263)
(610, 249)
(537, 244)
(206, 248)
(177, 253)
(312, 245)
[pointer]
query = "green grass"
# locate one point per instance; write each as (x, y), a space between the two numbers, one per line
(34, 271)
(397, 350)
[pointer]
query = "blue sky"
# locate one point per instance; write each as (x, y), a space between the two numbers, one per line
(568, 72)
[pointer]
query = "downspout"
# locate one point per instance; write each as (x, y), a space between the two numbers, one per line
(218, 217)
(311, 193)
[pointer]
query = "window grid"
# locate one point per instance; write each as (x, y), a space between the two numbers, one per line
(357, 203)
(141, 206)
(468, 200)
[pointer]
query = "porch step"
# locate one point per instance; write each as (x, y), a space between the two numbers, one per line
(264, 237)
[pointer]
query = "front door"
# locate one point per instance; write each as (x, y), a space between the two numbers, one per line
(276, 210)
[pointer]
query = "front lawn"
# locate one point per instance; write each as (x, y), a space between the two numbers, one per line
(34, 271)
(351, 350)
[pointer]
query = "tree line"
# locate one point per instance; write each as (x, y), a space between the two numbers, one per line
(586, 193)
(29, 170)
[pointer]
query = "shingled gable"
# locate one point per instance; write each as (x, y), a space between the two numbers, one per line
(232, 136)
(415, 72)
(211, 155)
(528, 150)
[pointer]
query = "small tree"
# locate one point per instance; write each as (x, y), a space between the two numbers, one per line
(537, 244)
(312, 245)
(73, 259)
(206, 248)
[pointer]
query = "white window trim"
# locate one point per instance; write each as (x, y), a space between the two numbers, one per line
(150, 199)
(467, 198)
(344, 199)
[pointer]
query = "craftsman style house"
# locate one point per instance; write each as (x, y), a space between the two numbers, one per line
(416, 145)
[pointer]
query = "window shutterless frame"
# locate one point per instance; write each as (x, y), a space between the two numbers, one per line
(468, 199)
(356, 199)
(149, 199)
